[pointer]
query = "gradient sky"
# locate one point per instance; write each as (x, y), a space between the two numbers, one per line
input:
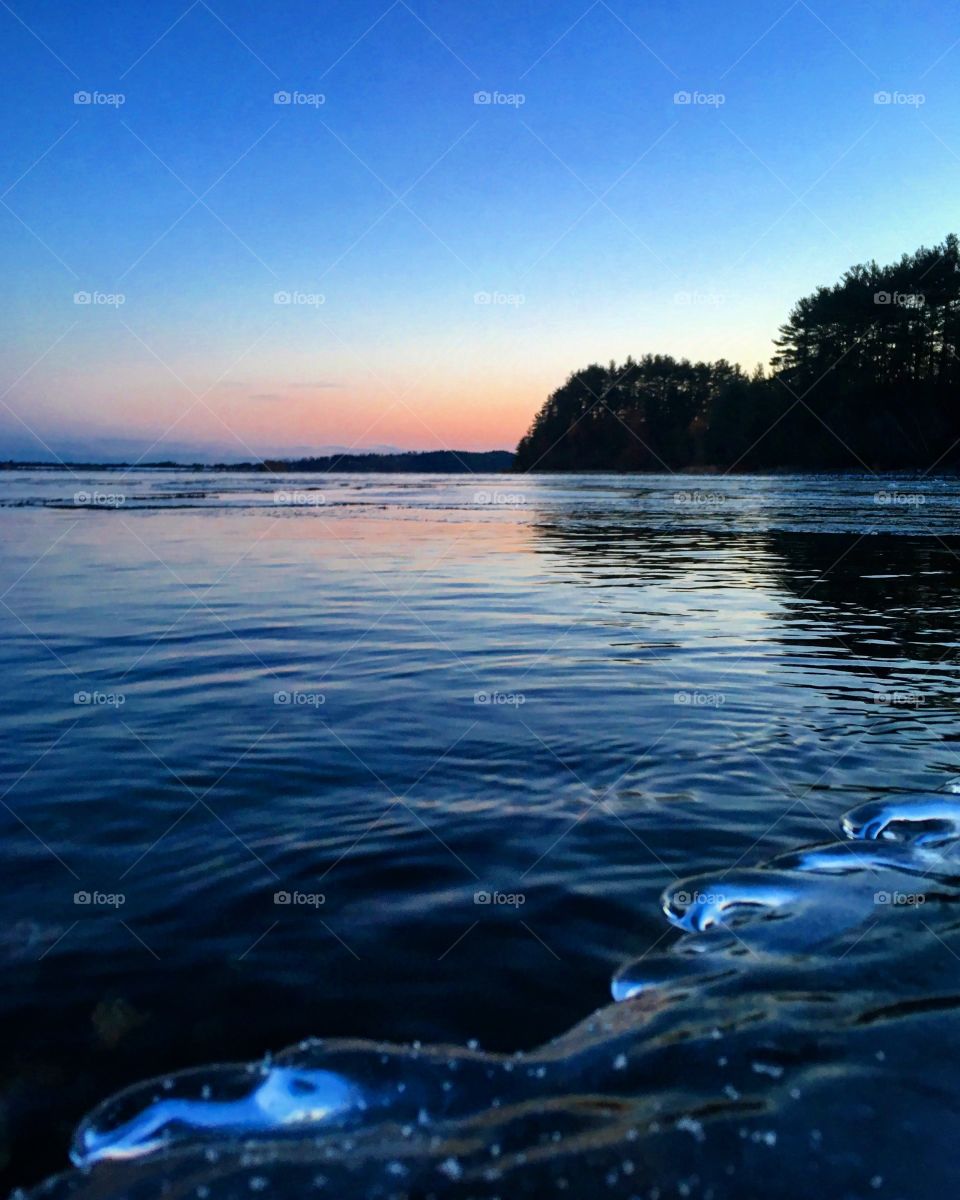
(625, 222)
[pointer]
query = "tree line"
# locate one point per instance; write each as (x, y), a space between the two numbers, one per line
(865, 375)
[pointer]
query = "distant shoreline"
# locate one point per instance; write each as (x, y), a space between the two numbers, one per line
(375, 464)
(438, 462)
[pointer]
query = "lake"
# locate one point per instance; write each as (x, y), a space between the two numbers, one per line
(410, 758)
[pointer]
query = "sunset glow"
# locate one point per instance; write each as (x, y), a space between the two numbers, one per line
(407, 227)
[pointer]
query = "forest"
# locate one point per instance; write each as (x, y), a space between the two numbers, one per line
(865, 375)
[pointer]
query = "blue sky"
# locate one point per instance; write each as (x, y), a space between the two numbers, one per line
(599, 216)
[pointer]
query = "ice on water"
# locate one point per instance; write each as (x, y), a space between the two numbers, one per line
(214, 1102)
(741, 1059)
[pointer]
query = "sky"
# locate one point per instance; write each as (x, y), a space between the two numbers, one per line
(235, 229)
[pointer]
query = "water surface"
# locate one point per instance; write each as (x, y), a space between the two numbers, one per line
(415, 758)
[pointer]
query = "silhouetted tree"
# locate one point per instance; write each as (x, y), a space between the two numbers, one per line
(865, 375)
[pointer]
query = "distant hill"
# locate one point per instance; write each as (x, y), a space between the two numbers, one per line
(427, 462)
(433, 462)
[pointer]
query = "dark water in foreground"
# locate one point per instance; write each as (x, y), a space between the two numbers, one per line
(417, 762)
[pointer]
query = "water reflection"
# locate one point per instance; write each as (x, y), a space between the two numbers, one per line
(764, 1041)
(675, 688)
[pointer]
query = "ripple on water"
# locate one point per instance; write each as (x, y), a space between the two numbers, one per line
(712, 1076)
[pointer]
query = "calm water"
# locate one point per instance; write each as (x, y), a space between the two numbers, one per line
(269, 745)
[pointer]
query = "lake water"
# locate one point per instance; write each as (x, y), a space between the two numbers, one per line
(398, 758)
